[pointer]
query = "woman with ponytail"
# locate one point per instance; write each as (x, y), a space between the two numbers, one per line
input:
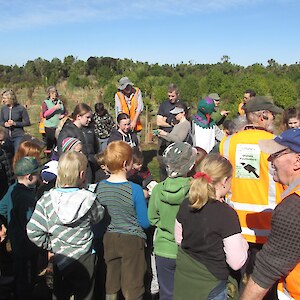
(209, 233)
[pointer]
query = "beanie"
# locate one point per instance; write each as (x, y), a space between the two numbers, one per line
(69, 143)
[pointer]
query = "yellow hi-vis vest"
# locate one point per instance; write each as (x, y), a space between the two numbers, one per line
(132, 111)
(254, 193)
(289, 287)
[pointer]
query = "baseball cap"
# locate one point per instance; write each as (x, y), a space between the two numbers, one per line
(179, 158)
(176, 110)
(27, 165)
(214, 96)
(262, 103)
(123, 82)
(289, 139)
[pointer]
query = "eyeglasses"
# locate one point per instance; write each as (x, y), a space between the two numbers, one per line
(279, 153)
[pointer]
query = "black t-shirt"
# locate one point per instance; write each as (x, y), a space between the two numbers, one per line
(203, 232)
(164, 110)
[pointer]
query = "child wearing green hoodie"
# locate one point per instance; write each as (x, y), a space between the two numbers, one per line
(164, 204)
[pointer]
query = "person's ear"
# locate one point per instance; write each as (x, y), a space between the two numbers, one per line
(82, 175)
(29, 177)
(297, 162)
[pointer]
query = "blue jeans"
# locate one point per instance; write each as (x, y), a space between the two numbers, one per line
(165, 272)
(219, 292)
(102, 144)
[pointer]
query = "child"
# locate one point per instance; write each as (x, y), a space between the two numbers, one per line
(124, 240)
(209, 232)
(290, 118)
(164, 203)
(138, 173)
(49, 173)
(61, 223)
(19, 211)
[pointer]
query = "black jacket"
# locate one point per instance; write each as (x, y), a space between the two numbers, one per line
(130, 138)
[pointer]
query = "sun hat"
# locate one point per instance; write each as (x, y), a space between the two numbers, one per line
(27, 165)
(289, 139)
(123, 82)
(259, 103)
(214, 96)
(176, 110)
(179, 158)
(69, 143)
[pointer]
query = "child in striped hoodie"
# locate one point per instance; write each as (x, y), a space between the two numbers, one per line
(61, 223)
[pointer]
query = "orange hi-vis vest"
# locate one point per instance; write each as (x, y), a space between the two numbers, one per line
(289, 287)
(241, 110)
(254, 193)
(132, 111)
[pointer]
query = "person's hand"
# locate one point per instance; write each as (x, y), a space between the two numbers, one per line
(225, 112)
(162, 132)
(57, 106)
(6, 124)
(132, 125)
(2, 233)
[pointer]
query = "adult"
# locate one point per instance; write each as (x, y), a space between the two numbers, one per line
(209, 232)
(129, 100)
(280, 256)
(248, 95)
(166, 121)
(53, 110)
(77, 126)
(290, 118)
(103, 123)
(164, 203)
(204, 129)
(254, 194)
(181, 132)
(123, 132)
(218, 116)
(14, 117)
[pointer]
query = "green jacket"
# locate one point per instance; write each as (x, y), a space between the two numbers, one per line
(163, 207)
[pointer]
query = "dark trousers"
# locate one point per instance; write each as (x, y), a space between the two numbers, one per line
(50, 137)
(25, 273)
(165, 273)
(76, 279)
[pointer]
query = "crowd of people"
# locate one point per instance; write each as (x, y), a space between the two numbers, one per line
(90, 222)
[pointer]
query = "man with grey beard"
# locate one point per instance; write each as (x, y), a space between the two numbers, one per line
(254, 193)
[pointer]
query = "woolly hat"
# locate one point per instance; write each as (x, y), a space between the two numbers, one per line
(69, 143)
(179, 158)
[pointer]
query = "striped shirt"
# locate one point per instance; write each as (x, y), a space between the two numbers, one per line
(126, 206)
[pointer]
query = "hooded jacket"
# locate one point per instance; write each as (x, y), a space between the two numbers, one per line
(163, 207)
(61, 222)
(130, 138)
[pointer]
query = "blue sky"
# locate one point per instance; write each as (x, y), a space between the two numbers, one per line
(156, 31)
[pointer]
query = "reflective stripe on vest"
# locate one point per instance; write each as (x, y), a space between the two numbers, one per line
(289, 288)
(132, 111)
(254, 194)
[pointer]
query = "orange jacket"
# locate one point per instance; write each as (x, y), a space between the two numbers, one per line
(289, 287)
(254, 193)
(132, 111)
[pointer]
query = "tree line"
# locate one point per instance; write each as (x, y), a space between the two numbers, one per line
(281, 82)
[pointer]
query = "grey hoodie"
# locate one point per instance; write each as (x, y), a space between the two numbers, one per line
(61, 223)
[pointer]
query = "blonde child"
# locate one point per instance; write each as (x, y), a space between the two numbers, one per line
(61, 223)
